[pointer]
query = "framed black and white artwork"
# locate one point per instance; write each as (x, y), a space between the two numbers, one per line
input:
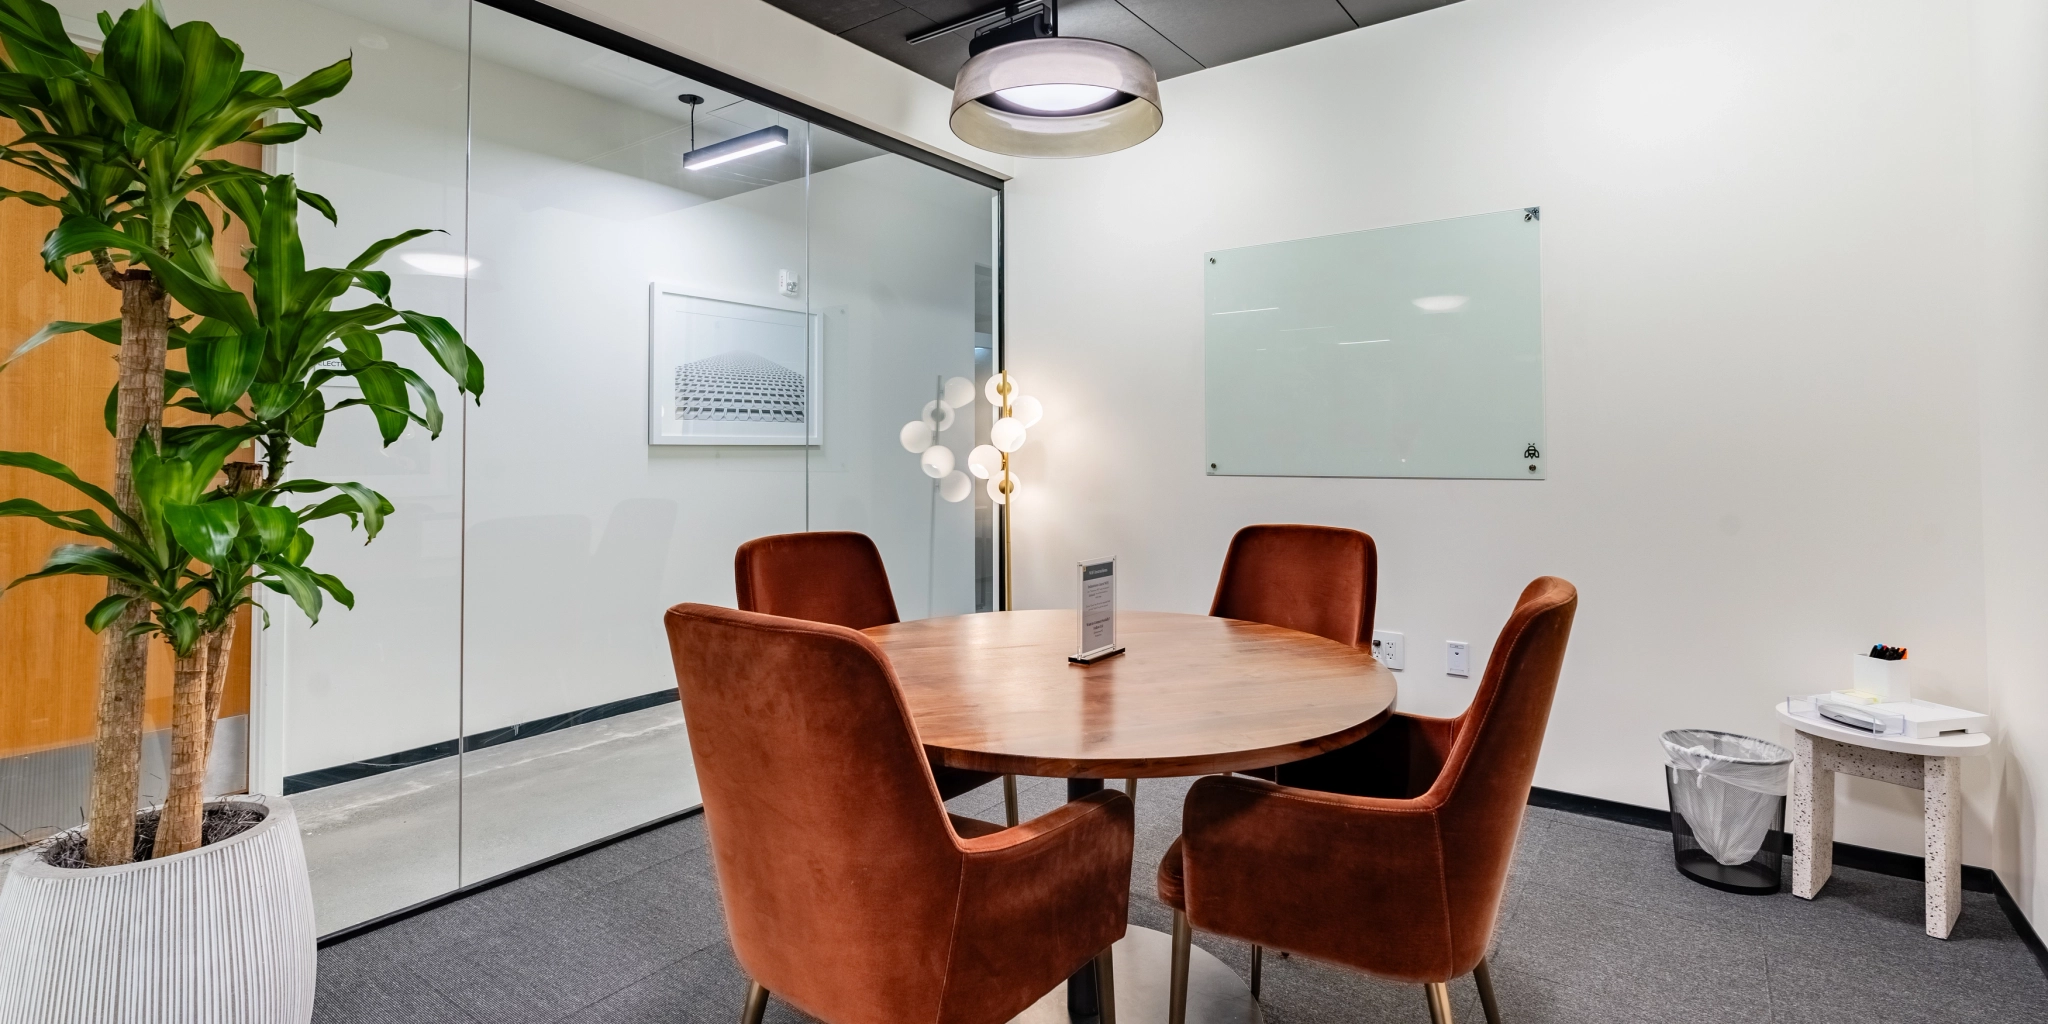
(731, 373)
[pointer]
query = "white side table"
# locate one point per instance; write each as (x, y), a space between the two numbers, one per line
(1934, 766)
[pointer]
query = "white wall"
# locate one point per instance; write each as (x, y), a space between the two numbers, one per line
(1759, 248)
(2012, 150)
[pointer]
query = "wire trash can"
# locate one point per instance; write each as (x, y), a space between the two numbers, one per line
(1728, 809)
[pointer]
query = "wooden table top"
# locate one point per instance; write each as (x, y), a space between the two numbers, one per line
(1192, 695)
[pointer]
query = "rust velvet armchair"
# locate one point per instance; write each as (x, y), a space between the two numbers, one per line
(1390, 855)
(848, 890)
(1315, 579)
(837, 577)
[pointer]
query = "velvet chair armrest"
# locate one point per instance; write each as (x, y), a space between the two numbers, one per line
(1315, 872)
(1036, 902)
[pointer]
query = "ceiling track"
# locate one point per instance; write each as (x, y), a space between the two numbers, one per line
(1003, 11)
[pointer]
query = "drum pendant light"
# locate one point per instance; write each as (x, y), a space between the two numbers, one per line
(1043, 95)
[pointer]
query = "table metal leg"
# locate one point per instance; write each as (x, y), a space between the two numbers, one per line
(1942, 781)
(1813, 819)
(1082, 998)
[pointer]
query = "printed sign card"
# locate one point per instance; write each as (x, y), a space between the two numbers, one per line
(1097, 579)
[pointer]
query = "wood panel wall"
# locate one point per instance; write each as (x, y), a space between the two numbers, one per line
(51, 402)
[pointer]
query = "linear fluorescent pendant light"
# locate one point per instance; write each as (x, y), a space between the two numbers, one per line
(1028, 91)
(771, 137)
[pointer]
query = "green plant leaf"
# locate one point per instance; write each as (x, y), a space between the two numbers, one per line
(51, 330)
(180, 626)
(50, 467)
(274, 400)
(274, 526)
(301, 546)
(89, 560)
(104, 613)
(211, 66)
(320, 85)
(445, 344)
(223, 366)
(208, 529)
(315, 200)
(278, 259)
(334, 586)
(296, 582)
(144, 58)
(307, 418)
(276, 134)
(378, 248)
(82, 520)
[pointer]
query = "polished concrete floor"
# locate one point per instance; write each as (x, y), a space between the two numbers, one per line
(1597, 927)
(390, 840)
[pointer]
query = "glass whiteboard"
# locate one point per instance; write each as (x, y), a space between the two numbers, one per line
(1408, 351)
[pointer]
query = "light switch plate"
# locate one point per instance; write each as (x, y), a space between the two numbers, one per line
(1457, 658)
(1389, 649)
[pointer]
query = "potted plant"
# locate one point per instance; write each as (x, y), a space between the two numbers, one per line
(184, 536)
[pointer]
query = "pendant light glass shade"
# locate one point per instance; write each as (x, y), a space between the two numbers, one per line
(1108, 98)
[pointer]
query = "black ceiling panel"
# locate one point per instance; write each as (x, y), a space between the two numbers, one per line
(1220, 31)
(1177, 36)
(836, 16)
(1372, 12)
(1112, 22)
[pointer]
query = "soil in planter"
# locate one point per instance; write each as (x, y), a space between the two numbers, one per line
(221, 822)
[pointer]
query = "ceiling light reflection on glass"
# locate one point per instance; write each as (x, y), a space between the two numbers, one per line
(441, 264)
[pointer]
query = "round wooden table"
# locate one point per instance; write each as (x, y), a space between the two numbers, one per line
(1191, 695)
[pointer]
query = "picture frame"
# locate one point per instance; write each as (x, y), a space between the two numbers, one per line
(721, 372)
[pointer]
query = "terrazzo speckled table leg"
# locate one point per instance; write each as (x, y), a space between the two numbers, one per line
(1942, 781)
(1813, 818)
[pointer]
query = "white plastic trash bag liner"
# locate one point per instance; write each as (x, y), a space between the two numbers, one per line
(1728, 789)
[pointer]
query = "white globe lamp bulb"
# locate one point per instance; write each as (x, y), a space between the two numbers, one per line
(1007, 435)
(1027, 410)
(984, 461)
(937, 415)
(959, 391)
(992, 390)
(916, 436)
(937, 461)
(956, 486)
(996, 484)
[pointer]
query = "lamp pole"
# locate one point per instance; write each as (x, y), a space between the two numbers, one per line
(1006, 388)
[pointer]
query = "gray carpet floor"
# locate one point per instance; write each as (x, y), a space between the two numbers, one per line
(1597, 926)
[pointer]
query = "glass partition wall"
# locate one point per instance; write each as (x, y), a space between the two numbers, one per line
(679, 358)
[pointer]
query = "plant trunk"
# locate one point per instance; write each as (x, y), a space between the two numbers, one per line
(219, 651)
(177, 828)
(124, 659)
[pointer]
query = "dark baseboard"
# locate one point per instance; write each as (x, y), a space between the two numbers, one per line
(368, 767)
(386, 920)
(1847, 855)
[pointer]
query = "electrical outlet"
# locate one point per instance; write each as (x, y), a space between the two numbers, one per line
(1387, 647)
(1457, 658)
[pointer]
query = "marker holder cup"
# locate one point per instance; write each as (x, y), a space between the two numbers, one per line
(1891, 682)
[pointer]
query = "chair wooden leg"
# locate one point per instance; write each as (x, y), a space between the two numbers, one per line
(1010, 800)
(1439, 996)
(1258, 961)
(1177, 990)
(1105, 984)
(757, 1004)
(1484, 979)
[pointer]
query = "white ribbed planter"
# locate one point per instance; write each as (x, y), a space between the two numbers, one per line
(220, 935)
